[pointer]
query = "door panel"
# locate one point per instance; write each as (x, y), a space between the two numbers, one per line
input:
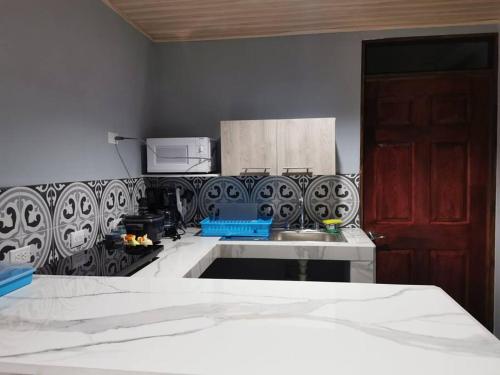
(448, 269)
(393, 166)
(394, 266)
(426, 161)
(395, 111)
(450, 109)
(449, 180)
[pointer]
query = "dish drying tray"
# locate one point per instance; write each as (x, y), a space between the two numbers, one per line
(14, 277)
(233, 228)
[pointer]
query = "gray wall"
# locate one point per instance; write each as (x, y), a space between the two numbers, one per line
(69, 72)
(198, 84)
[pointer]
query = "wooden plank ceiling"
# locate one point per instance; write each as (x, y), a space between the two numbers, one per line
(185, 20)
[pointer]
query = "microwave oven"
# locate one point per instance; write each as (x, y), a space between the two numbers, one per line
(181, 155)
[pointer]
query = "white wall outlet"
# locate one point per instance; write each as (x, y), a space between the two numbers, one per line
(21, 255)
(77, 238)
(111, 138)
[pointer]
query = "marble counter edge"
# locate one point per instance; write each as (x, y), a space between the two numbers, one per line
(193, 254)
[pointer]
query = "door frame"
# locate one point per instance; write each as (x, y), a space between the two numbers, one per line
(491, 196)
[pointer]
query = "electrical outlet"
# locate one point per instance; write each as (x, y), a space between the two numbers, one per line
(111, 138)
(77, 238)
(21, 255)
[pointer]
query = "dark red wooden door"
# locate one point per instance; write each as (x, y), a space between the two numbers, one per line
(426, 175)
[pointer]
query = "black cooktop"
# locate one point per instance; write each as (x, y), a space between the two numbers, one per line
(100, 261)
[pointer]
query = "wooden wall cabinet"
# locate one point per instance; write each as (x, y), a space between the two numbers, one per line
(278, 145)
(248, 144)
(307, 143)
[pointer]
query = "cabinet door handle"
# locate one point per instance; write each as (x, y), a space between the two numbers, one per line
(297, 171)
(258, 172)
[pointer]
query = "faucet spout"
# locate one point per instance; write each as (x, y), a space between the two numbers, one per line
(301, 207)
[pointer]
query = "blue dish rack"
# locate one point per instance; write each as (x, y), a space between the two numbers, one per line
(235, 228)
(14, 277)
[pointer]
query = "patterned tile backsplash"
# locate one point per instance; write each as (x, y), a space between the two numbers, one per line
(45, 215)
(277, 196)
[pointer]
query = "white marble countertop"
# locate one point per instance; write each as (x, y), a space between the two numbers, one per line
(174, 325)
(190, 256)
(200, 326)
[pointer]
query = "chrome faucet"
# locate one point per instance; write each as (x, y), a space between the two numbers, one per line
(301, 208)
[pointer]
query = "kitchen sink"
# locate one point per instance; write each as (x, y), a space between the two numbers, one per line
(306, 235)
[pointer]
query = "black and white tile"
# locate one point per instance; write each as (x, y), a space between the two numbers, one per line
(9, 213)
(221, 190)
(76, 210)
(45, 215)
(333, 196)
(138, 193)
(277, 196)
(25, 219)
(115, 202)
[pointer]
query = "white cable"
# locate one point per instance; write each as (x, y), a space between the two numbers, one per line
(123, 161)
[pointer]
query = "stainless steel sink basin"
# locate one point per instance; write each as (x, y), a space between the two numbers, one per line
(305, 235)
